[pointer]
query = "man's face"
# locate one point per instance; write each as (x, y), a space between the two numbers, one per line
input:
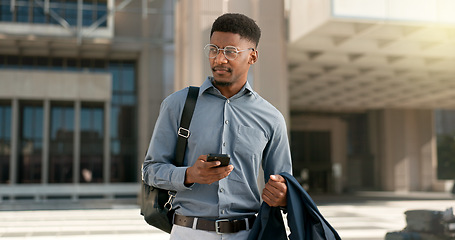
(231, 73)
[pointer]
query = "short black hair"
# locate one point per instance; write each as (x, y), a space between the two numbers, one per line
(237, 23)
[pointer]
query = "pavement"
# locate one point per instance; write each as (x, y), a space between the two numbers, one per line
(370, 215)
(364, 215)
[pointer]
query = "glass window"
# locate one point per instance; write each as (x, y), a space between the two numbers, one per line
(70, 13)
(128, 78)
(123, 118)
(357, 144)
(5, 142)
(115, 73)
(92, 134)
(56, 64)
(31, 143)
(129, 99)
(88, 17)
(72, 64)
(22, 12)
(99, 64)
(38, 15)
(115, 111)
(101, 8)
(55, 7)
(28, 62)
(311, 155)
(445, 133)
(2, 61)
(86, 64)
(42, 63)
(100, 14)
(13, 61)
(5, 11)
(61, 143)
(26, 11)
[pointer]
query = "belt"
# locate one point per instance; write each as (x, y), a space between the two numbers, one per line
(219, 226)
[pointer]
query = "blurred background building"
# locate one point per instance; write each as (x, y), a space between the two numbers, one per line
(367, 88)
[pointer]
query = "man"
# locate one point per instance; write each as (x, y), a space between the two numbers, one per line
(229, 118)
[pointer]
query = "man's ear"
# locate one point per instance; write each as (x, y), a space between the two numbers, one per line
(253, 57)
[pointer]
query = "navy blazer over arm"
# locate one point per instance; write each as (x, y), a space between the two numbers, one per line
(304, 219)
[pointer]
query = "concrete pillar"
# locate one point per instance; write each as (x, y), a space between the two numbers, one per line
(270, 74)
(376, 133)
(45, 151)
(145, 101)
(77, 144)
(106, 143)
(407, 143)
(155, 81)
(191, 23)
(14, 141)
(427, 151)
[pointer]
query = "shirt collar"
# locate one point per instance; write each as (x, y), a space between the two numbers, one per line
(208, 86)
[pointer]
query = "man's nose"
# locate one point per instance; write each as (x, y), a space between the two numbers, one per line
(220, 57)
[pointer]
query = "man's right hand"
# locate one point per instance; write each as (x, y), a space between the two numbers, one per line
(204, 172)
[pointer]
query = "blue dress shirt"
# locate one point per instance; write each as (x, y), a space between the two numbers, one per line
(245, 126)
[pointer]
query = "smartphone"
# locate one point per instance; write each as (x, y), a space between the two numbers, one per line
(223, 158)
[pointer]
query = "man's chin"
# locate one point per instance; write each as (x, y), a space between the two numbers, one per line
(221, 83)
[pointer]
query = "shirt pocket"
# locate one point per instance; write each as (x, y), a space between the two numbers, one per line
(250, 143)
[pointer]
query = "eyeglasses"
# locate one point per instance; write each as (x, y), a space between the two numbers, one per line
(230, 52)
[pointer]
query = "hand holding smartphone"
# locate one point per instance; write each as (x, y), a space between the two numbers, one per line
(223, 158)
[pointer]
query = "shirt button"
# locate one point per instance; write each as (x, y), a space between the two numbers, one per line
(228, 101)
(227, 121)
(224, 144)
(222, 211)
(221, 190)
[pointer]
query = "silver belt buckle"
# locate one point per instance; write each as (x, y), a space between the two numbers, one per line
(217, 225)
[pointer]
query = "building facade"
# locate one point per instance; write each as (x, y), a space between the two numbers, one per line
(367, 89)
(79, 81)
(374, 80)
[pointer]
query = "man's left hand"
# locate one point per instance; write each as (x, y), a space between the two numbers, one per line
(274, 193)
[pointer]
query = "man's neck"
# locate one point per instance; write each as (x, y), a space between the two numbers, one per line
(228, 89)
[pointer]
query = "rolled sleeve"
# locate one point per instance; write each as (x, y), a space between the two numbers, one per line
(178, 179)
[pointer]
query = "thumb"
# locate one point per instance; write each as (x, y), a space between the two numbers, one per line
(277, 178)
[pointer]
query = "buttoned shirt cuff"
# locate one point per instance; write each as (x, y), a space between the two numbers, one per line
(178, 180)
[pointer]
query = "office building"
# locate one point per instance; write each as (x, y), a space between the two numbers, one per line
(367, 88)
